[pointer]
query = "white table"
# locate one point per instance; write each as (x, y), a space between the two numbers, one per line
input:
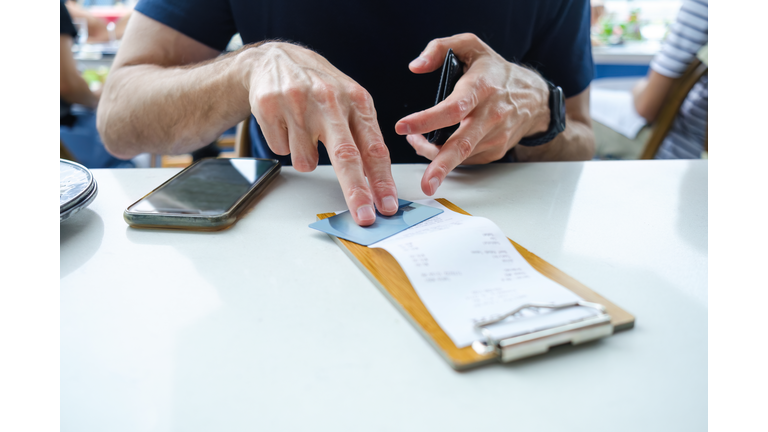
(269, 326)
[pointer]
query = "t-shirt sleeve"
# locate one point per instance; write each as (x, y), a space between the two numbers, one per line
(66, 26)
(562, 50)
(686, 36)
(208, 22)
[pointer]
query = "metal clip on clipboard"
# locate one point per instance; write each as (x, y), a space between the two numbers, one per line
(539, 342)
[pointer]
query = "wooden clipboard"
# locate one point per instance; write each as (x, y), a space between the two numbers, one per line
(386, 274)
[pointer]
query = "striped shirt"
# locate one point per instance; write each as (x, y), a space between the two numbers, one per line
(686, 37)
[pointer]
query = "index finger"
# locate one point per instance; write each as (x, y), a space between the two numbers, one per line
(449, 112)
(456, 150)
(348, 165)
(376, 161)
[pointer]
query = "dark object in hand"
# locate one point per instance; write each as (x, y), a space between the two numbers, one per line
(453, 69)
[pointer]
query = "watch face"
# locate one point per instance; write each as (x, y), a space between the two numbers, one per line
(560, 101)
(562, 104)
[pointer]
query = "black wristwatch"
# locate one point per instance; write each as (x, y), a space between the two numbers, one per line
(556, 119)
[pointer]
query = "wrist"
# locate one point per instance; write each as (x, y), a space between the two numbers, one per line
(540, 113)
(557, 114)
(248, 62)
(252, 57)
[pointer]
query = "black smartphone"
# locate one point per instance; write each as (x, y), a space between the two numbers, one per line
(453, 69)
(207, 195)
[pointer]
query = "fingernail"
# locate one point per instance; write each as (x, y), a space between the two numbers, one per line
(434, 183)
(389, 204)
(418, 62)
(403, 128)
(366, 213)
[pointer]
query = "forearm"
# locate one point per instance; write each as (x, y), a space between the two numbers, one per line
(72, 86)
(172, 110)
(575, 143)
(649, 94)
(74, 90)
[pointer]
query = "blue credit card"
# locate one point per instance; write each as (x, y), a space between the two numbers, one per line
(408, 214)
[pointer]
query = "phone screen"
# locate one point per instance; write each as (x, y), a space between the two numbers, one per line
(210, 187)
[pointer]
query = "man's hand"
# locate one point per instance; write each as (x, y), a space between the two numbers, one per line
(299, 98)
(168, 93)
(496, 102)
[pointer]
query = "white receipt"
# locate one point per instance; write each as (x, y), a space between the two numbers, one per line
(465, 271)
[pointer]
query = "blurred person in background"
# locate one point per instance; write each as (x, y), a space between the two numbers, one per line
(72, 87)
(687, 35)
(78, 132)
(98, 28)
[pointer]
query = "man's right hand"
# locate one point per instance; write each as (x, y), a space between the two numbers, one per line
(299, 98)
(170, 94)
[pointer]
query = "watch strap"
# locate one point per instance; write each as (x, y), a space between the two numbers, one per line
(556, 119)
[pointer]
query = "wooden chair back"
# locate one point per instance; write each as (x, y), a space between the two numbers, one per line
(671, 106)
(64, 152)
(243, 138)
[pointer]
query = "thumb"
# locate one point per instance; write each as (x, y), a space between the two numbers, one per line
(467, 47)
(431, 58)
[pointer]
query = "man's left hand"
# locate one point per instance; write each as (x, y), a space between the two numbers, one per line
(497, 103)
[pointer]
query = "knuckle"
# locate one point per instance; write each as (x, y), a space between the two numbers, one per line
(268, 98)
(360, 96)
(464, 147)
(295, 101)
(442, 168)
(359, 193)
(464, 37)
(437, 44)
(485, 87)
(458, 109)
(324, 93)
(383, 185)
(470, 38)
(378, 150)
(296, 94)
(498, 114)
(346, 152)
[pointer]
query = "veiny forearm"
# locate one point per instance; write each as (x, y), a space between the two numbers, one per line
(171, 110)
(575, 143)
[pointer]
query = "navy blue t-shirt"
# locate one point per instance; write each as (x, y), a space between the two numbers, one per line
(374, 41)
